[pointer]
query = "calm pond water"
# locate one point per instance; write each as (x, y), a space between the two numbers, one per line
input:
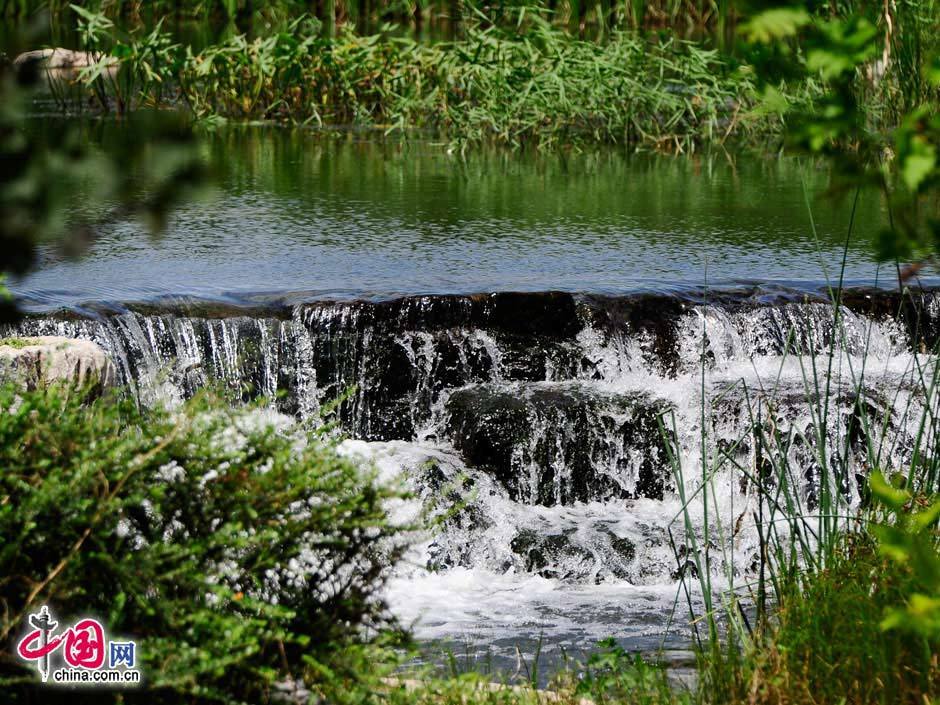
(296, 212)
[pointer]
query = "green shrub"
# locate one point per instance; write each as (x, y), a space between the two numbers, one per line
(234, 553)
(828, 645)
(911, 538)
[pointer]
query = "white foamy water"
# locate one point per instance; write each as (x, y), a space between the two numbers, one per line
(549, 441)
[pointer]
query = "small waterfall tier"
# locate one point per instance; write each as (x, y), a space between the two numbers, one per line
(552, 431)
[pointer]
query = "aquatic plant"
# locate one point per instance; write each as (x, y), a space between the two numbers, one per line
(526, 83)
(436, 19)
(522, 79)
(540, 89)
(577, 16)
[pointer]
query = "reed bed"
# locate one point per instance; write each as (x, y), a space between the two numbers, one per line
(431, 18)
(542, 88)
(512, 73)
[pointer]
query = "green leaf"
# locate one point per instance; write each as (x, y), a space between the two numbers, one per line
(773, 102)
(892, 245)
(96, 18)
(888, 495)
(841, 46)
(933, 71)
(775, 24)
(894, 619)
(924, 606)
(82, 12)
(828, 63)
(926, 518)
(918, 163)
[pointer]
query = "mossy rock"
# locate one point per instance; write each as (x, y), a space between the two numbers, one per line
(34, 362)
(18, 343)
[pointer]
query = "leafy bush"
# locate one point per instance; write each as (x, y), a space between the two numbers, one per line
(236, 554)
(827, 644)
(876, 118)
(912, 540)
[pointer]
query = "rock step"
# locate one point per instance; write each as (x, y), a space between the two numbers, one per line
(35, 362)
(560, 443)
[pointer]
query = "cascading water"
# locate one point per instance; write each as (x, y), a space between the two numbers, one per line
(551, 434)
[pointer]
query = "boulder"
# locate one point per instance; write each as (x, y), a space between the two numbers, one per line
(558, 444)
(552, 555)
(59, 65)
(400, 354)
(62, 59)
(38, 361)
(589, 551)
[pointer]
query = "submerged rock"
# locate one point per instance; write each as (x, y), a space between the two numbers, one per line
(401, 354)
(554, 444)
(44, 360)
(551, 556)
(575, 553)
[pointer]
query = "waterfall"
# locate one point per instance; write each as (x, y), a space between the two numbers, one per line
(544, 429)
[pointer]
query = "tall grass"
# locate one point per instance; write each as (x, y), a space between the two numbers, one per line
(582, 17)
(540, 89)
(911, 24)
(519, 82)
(806, 621)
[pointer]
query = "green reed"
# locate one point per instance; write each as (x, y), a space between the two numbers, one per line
(583, 17)
(766, 636)
(540, 87)
(513, 74)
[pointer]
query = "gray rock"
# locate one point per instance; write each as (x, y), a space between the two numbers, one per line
(63, 66)
(59, 58)
(35, 362)
(561, 443)
(552, 555)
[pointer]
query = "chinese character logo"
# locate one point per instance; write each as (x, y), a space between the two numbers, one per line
(122, 654)
(29, 650)
(82, 647)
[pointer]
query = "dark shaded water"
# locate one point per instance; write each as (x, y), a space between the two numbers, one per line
(325, 217)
